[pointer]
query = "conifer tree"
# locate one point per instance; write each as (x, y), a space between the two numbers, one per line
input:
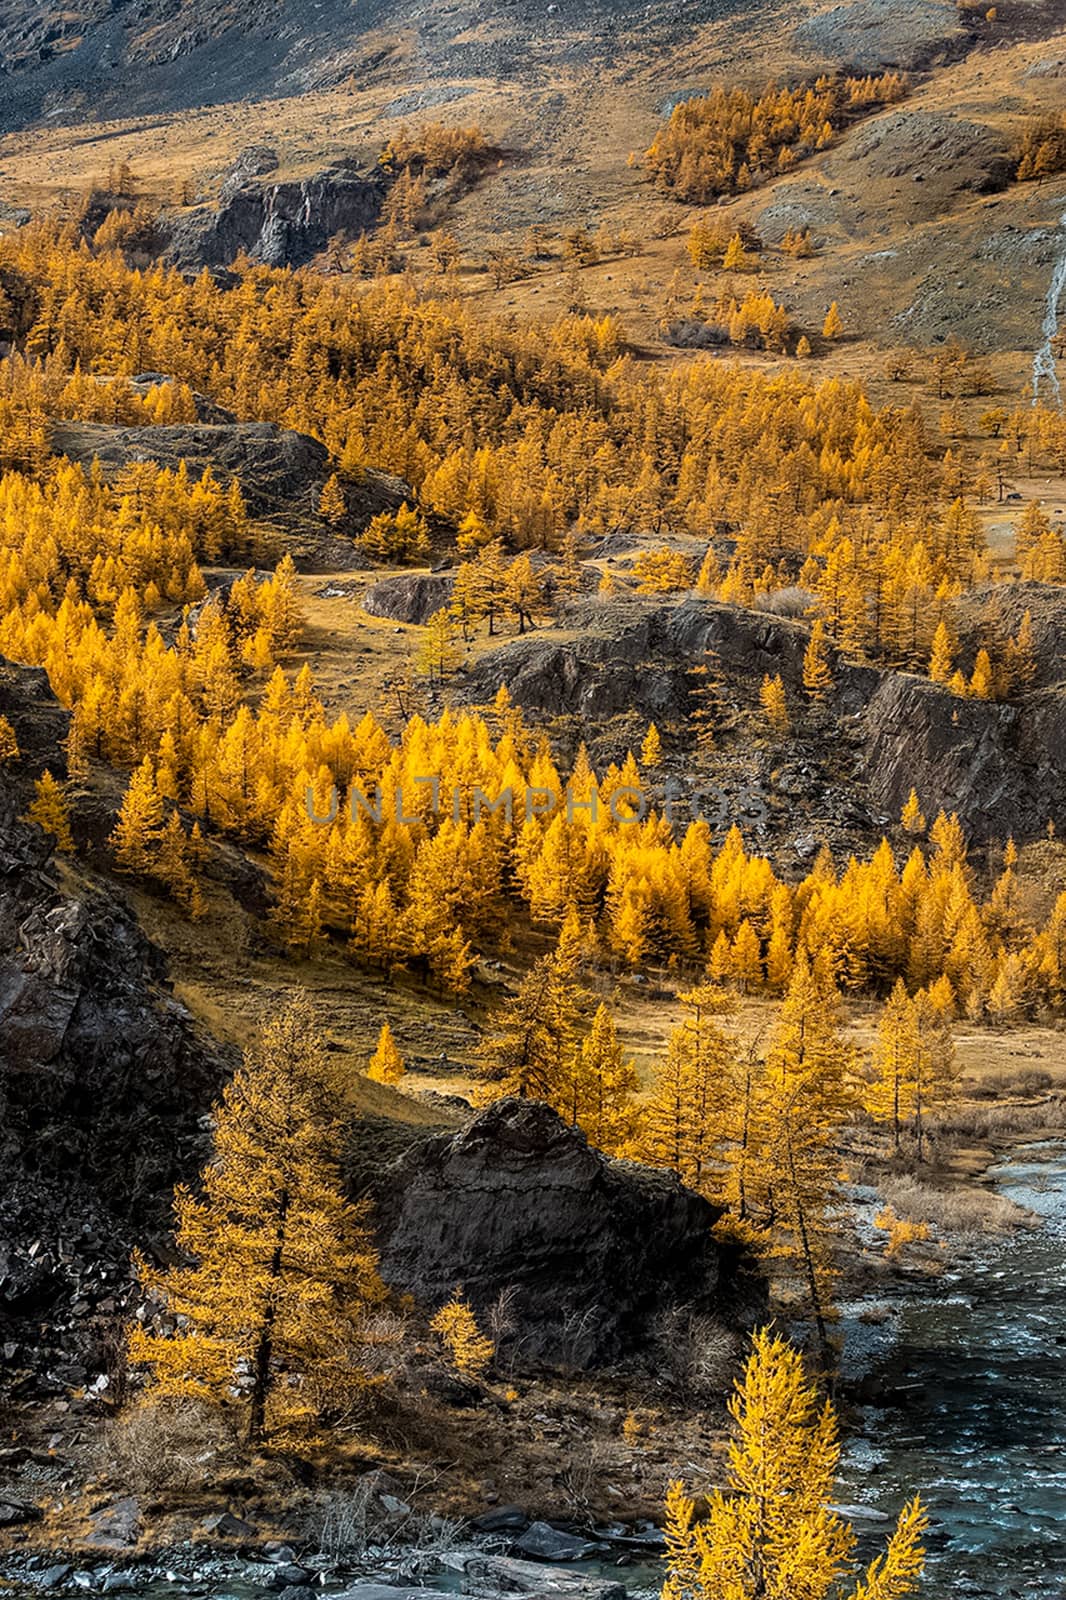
(651, 751)
(833, 326)
(604, 1083)
(332, 503)
(770, 1534)
(439, 653)
(9, 745)
(983, 683)
(386, 1063)
(911, 817)
(941, 656)
(140, 822)
(774, 704)
(890, 1098)
(817, 673)
(49, 810)
(809, 1096)
(469, 1350)
(284, 1269)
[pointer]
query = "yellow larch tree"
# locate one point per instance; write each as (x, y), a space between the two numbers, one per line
(470, 1351)
(771, 1534)
(50, 811)
(272, 1312)
(137, 832)
(809, 1095)
(604, 1085)
(833, 326)
(774, 704)
(817, 672)
(9, 745)
(386, 1063)
(651, 751)
(911, 818)
(332, 503)
(942, 653)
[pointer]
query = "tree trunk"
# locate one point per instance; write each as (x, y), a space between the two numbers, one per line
(264, 1349)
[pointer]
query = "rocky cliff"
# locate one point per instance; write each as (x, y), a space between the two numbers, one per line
(590, 1255)
(281, 472)
(103, 1085)
(280, 224)
(1001, 767)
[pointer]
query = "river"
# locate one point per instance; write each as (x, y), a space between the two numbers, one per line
(982, 1432)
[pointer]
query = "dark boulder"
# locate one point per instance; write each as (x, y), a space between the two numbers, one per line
(592, 1252)
(410, 597)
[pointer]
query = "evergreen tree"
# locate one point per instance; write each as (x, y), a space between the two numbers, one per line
(469, 1350)
(140, 822)
(9, 745)
(770, 1534)
(284, 1270)
(49, 810)
(386, 1063)
(817, 673)
(774, 704)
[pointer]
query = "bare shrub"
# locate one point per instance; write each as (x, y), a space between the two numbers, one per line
(344, 1522)
(995, 1121)
(698, 1353)
(957, 1210)
(790, 602)
(172, 1445)
(348, 1521)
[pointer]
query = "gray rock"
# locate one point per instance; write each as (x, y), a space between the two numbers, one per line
(1002, 768)
(117, 1525)
(384, 1591)
(593, 1250)
(281, 224)
(500, 1519)
(54, 1577)
(93, 1054)
(288, 1574)
(869, 35)
(501, 1575)
(542, 1542)
(410, 597)
(224, 1525)
(13, 1511)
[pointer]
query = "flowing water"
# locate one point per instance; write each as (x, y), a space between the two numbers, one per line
(1044, 360)
(978, 1359)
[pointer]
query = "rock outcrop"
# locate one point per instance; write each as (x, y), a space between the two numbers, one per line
(592, 1253)
(1002, 768)
(280, 224)
(281, 472)
(103, 1085)
(410, 597)
(622, 656)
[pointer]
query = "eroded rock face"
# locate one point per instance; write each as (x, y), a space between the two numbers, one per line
(281, 472)
(281, 224)
(593, 1251)
(411, 597)
(1002, 768)
(633, 657)
(103, 1085)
